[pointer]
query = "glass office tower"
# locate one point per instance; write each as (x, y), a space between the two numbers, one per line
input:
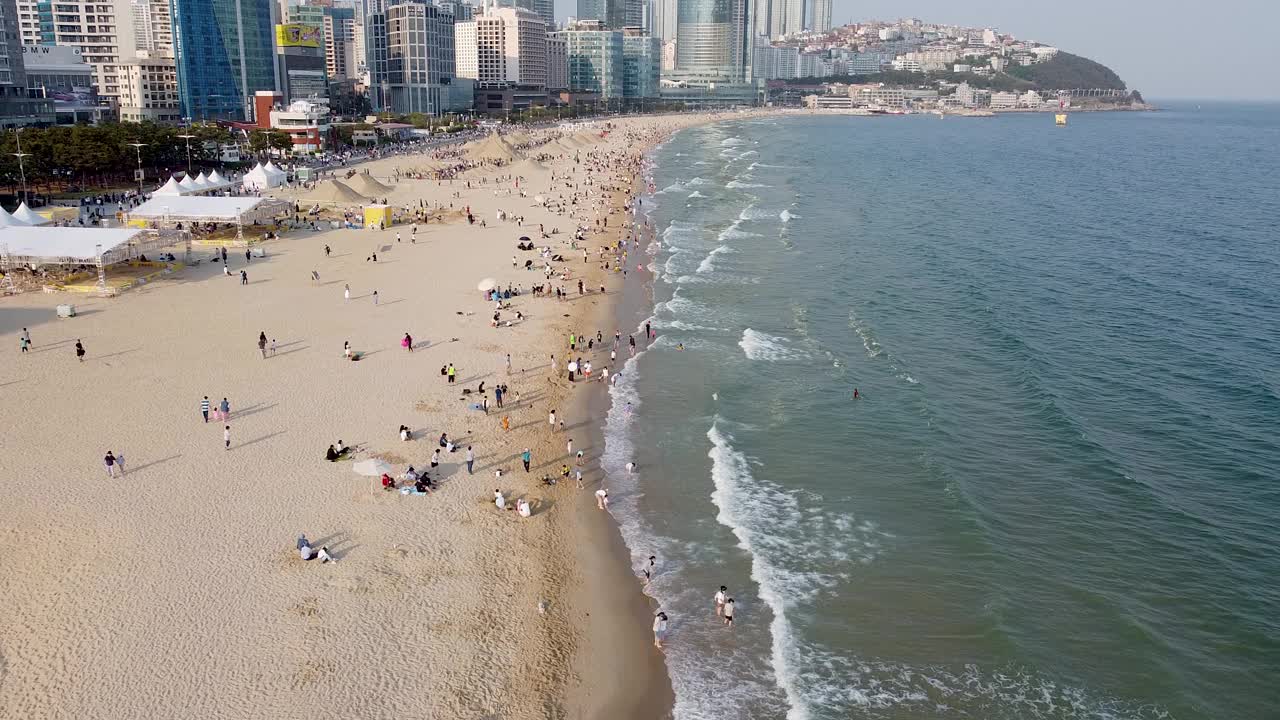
(223, 50)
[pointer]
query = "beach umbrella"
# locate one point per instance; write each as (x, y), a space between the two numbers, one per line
(487, 284)
(524, 238)
(373, 467)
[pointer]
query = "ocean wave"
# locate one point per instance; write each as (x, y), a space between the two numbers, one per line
(762, 346)
(696, 194)
(736, 185)
(751, 212)
(787, 215)
(730, 142)
(709, 262)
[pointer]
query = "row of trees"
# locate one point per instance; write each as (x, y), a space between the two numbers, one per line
(66, 157)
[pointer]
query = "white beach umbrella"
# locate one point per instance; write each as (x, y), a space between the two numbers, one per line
(373, 467)
(487, 284)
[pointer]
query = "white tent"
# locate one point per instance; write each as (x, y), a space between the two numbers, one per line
(202, 183)
(259, 179)
(271, 169)
(48, 244)
(188, 185)
(26, 215)
(169, 188)
(195, 208)
(7, 220)
(218, 180)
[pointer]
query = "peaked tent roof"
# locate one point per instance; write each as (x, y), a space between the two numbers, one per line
(169, 188)
(28, 216)
(7, 220)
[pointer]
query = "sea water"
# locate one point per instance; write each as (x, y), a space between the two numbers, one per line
(1058, 494)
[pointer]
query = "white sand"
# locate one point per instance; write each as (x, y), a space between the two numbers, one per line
(176, 591)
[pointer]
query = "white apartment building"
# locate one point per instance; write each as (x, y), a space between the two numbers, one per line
(149, 91)
(1004, 101)
(557, 63)
(152, 27)
(340, 47)
(504, 45)
(306, 122)
(103, 30)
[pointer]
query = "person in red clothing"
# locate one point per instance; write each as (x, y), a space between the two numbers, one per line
(387, 482)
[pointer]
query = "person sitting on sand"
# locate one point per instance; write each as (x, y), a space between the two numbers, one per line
(499, 501)
(522, 507)
(422, 484)
(387, 482)
(444, 439)
(342, 450)
(306, 552)
(405, 433)
(331, 455)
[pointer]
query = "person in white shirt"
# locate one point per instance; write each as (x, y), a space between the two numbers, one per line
(522, 507)
(306, 552)
(728, 612)
(498, 500)
(659, 629)
(602, 498)
(631, 467)
(721, 595)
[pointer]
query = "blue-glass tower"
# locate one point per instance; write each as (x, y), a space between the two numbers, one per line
(223, 50)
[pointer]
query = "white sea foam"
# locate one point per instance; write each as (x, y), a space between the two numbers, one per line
(730, 142)
(751, 212)
(736, 185)
(787, 215)
(696, 194)
(709, 262)
(762, 346)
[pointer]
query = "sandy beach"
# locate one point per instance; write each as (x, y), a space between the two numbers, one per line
(177, 589)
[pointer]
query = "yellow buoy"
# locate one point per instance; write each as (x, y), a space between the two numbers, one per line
(1060, 119)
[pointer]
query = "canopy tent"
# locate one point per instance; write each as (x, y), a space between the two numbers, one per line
(208, 209)
(202, 183)
(259, 178)
(218, 180)
(28, 216)
(272, 170)
(47, 245)
(169, 188)
(188, 184)
(7, 220)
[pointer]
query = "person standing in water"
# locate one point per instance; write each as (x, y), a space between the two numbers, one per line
(720, 597)
(728, 612)
(659, 629)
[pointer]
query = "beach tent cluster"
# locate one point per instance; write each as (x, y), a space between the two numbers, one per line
(264, 177)
(22, 217)
(197, 185)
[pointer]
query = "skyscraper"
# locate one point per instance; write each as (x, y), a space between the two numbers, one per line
(713, 39)
(504, 45)
(153, 28)
(224, 55)
(101, 29)
(786, 17)
(420, 56)
(820, 16)
(339, 43)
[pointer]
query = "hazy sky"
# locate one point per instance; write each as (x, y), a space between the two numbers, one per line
(1163, 48)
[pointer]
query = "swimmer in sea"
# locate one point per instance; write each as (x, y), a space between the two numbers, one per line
(680, 347)
(856, 396)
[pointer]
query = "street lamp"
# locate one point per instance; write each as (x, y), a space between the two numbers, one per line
(138, 147)
(188, 139)
(21, 168)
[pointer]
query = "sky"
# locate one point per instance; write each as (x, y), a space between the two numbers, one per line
(1170, 49)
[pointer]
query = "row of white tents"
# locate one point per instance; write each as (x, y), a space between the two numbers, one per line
(194, 185)
(22, 217)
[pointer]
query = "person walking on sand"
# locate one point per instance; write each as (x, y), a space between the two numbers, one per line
(79, 350)
(551, 420)
(471, 460)
(262, 344)
(375, 297)
(525, 457)
(659, 629)
(407, 342)
(346, 292)
(224, 410)
(204, 409)
(453, 373)
(728, 612)
(109, 462)
(273, 347)
(23, 343)
(244, 278)
(721, 595)
(226, 437)
(327, 250)
(568, 447)
(120, 464)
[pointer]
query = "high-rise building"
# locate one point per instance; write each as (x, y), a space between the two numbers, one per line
(16, 108)
(641, 64)
(596, 61)
(102, 29)
(339, 43)
(557, 63)
(224, 53)
(662, 23)
(420, 57)
(503, 45)
(786, 17)
(711, 35)
(149, 91)
(152, 28)
(545, 9)
(301, 59)
(820, 16)
(591, 10)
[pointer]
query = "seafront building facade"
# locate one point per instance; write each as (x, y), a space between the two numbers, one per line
(224, 51)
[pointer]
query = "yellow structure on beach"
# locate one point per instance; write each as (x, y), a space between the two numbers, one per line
(377, 216)
(1060, 119)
